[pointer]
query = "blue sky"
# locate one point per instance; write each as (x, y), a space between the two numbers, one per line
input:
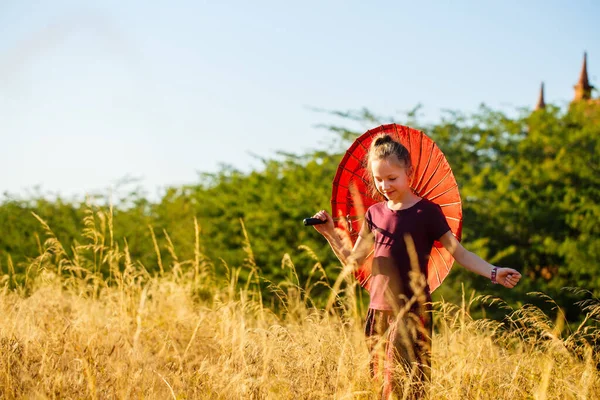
(90, 94)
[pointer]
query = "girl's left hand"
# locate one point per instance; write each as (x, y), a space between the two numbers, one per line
(508, 277)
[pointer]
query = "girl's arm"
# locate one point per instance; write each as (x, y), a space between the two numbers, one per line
(507, 277)
(342, 245)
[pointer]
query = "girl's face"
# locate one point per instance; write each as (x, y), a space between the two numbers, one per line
(392, 177)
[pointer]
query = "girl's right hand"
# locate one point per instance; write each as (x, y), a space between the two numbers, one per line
(326, 229)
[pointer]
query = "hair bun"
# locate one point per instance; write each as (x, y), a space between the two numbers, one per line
(383, 139)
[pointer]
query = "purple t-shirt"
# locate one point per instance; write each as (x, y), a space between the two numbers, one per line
(390, 281)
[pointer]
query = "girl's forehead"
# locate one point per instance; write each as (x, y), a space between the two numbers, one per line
(387, 165)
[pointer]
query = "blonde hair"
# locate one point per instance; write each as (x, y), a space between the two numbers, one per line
(383, 147)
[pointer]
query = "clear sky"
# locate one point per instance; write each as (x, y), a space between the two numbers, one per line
(161, 90)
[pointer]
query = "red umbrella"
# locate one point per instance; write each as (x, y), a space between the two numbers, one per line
(432, 180)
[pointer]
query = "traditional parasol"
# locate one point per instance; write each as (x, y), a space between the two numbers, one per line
(432, 180)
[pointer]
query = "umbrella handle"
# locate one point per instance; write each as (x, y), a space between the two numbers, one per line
(313, 221)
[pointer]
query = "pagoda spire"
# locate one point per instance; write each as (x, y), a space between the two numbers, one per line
(583, 89)
(541, 104)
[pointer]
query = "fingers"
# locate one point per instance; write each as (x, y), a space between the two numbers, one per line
(514, 272)
(512, 278)
(322, 215)
(327, 228)
(509, 284)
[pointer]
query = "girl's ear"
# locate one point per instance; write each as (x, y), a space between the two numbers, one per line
(410, 172)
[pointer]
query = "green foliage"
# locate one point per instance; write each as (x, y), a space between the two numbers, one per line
(530, 187)
(531, 192)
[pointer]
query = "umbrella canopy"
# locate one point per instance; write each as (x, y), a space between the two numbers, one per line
(432, 180)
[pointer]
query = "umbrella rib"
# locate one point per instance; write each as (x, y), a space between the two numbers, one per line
(436, 270)
(352, 173)
(426, 165)
(357, 175)
(450, 204)
(399, 139)
(452, 218)
(356, 158)
(416, 167)
(364, 281)
(444, 192)
(363, 146)
(343, 203)
(420, 148)
(351, 218)
(433, 173)
(338, 202)
(442, 257)
(437, 184)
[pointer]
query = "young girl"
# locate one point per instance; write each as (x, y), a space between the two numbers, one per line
(403, 229)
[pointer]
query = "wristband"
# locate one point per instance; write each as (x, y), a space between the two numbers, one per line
(493, 275)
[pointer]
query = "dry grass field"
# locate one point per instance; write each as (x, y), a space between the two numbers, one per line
(185, 333)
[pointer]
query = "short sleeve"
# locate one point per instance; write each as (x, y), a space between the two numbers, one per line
(367, 226)
(438, 225)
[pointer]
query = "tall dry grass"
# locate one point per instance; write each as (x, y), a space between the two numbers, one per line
(185, 333)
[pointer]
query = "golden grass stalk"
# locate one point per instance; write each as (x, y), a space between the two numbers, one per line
(155, 337)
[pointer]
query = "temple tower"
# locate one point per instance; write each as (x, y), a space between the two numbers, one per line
(541, 104)
(583, 89)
